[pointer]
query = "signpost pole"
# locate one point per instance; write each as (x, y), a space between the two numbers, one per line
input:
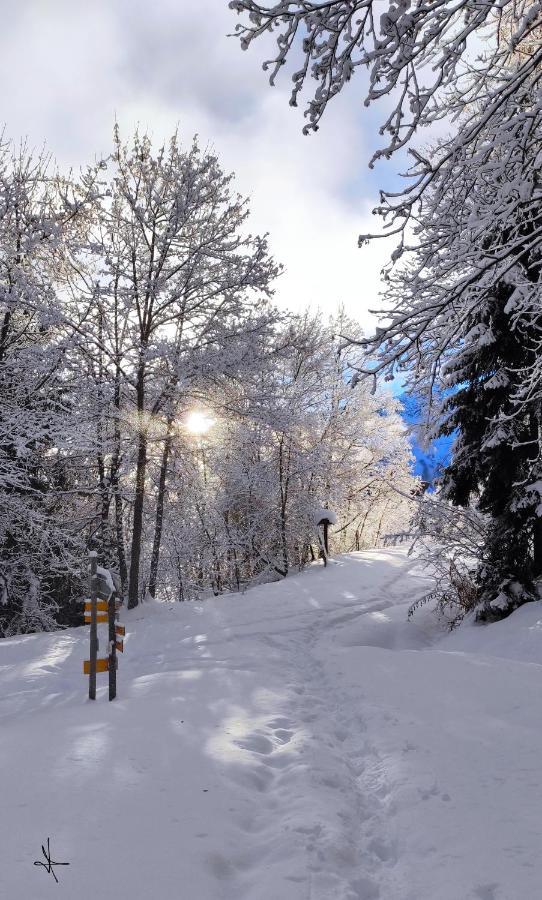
(93, 558)
(111, 609)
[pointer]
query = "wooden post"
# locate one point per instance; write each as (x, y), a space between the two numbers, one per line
(322, 546)
(111, 609)
(323, 538)
(93, 558)
(326, 539)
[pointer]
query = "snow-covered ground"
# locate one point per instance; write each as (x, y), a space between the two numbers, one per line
(303, 742)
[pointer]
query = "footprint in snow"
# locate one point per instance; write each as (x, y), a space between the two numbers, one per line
(385, 851)
(256, 743)
(280, 722)
(259, 779)
(280, 734)
(486, 891)
(427, 793)
(365, 889)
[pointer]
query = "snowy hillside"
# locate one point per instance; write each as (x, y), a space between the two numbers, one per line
(303, 742)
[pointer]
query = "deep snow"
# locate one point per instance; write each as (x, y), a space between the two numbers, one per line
(303, 742)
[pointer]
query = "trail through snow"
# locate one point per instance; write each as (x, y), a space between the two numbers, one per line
(301, 742)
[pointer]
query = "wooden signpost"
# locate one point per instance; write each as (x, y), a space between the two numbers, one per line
(102, 665)
(93, 556)
(323, 519)
(324, 543)
(103, 610)
(112, 648)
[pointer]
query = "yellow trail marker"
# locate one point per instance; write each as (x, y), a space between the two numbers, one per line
(99, 618)
(101, 606)
(102, 665)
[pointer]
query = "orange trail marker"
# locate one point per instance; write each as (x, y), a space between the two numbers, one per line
(100, 618)
(101, 606)
(102, 665)
(120, 646)
(120, 629)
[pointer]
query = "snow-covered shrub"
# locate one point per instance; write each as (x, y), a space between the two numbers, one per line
(448, 542)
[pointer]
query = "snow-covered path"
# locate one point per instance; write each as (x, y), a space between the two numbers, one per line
(303, 742)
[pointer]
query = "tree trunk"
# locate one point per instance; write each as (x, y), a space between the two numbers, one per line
(115, 489)
(537, 525)
(231, 554)
(377, 538)
(100, 435)
(4, 333)
(284, 480)
(139, 499)
(121, 552)
(158, 526)
(360, 530)
(537, 548)
(104, 497)
(284, 540)
(116, 455)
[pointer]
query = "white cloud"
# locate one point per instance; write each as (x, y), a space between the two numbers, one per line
(73, 67)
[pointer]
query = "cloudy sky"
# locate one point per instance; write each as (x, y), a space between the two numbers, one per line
(70, 67)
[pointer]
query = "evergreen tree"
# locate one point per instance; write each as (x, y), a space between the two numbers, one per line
(496, 455)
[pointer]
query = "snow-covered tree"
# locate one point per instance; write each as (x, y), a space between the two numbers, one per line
(496, 457)
(132, 298)
(426, 62)
(470, 199)
(291, 439)
(172, 277)
(462, 310)
(465, 317)
(39, 540)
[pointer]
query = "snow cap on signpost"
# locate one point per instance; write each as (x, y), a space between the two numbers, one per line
(105, 585)
(322, 515)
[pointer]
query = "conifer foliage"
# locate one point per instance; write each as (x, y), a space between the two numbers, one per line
(496, 454)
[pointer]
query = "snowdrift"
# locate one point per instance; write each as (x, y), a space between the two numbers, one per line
(301, 741)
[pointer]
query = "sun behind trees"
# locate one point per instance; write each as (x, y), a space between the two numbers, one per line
(243, 494)
(172, 276)
(134, 297)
